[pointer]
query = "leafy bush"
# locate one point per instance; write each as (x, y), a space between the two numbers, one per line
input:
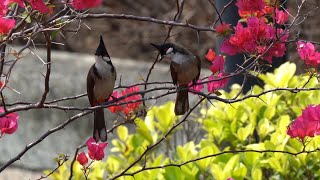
(242, 140)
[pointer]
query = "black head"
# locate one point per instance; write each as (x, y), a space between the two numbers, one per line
(167, 49)
(101, 50)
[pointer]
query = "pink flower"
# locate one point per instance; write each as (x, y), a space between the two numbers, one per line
(3, 8)
(215, 85)
(8, 123)
(281, 16)
(230, 179)
(308, 124)
(228, 48)
(223, 29)
(210, 55)
(19, 2)
(96, 150)
(217, 64)
(251, 6)
(82, 158)
(255, 38)
(85, 4)
(308, 53)
(197, 87)
(39, 5)
(6, 25)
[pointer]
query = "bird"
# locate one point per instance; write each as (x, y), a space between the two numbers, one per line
(100, 84)
(185, 67)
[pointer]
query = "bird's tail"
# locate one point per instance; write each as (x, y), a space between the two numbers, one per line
(99, 129)
(182, 101)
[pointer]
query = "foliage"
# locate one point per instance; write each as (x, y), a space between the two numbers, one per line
(257, 124)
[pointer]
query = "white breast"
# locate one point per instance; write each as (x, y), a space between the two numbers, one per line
(103, 87)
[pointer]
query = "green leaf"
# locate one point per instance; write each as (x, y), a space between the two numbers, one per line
(243, 133)
(239, 172)
(143, 130)
(165, 116)
(234, 160)
(275, 164)
(256, 174)
(281, 76)
(122, 132)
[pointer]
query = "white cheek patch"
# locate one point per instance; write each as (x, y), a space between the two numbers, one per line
(169, 51)
(106, 58)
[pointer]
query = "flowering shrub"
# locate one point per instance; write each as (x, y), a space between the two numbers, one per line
(257, 126)
(240, 141)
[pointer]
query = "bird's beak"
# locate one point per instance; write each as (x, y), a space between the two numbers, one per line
(158, 47)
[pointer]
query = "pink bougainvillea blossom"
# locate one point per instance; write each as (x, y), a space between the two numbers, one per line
(6, 25)
(308, 124)
(19, 2)
(85, 4)
(3, 8)
(82, 158)
(39, 5)
(281, 16)
(255, 39)
(8, 123)
(250, 7)
(197, 87)
(307, 52)
(215, 85)
(217, 64)
(96, 150)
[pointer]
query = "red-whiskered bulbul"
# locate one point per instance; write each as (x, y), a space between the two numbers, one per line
(184, 67)
(100, 83)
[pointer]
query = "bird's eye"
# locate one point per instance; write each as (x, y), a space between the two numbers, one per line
(169, 50)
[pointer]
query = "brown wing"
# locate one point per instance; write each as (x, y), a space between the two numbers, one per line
(174, 74)
(199, 68)
(90, 86)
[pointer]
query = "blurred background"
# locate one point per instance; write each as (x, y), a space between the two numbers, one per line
(127, 42)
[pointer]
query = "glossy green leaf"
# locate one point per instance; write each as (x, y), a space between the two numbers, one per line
(143, 130)
(122, 132)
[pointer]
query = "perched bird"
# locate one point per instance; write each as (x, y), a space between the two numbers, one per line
(184, 67)
(100, 84)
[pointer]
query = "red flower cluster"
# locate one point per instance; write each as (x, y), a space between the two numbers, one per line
(250, 7)
(85, 4)
(8, 123)
(95, 151)
(129, 105)
(308, 124)
(256, 39)
(223, 29)
(38, 5)
(35, 4)
(308, 53)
